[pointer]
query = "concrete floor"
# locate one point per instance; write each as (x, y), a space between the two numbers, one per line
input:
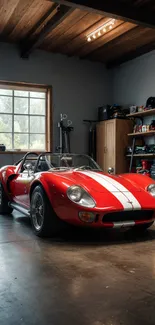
(102, 278)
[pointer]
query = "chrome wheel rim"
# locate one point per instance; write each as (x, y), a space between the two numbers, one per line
(37, 211)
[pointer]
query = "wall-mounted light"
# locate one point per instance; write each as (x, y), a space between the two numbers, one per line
(101, 30)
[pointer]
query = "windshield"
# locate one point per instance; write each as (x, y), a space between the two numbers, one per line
(66, 161)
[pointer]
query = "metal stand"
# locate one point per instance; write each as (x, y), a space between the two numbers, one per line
(133, 146)
(92, 138)
(64, 134)
(133, 149)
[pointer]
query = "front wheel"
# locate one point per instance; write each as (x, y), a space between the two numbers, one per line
(4, 207)
(44, 221)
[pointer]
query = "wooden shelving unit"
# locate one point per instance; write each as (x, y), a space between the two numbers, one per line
(145, 113)
(144, 134)
(135, 135)
(142, 155)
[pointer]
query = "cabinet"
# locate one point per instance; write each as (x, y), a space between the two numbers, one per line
(112, 141)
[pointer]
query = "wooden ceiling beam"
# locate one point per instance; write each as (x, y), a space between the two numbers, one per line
(115, 9)
(29, 44)
(131, 55)
(37, 25)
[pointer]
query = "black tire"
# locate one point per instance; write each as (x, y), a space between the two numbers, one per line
(4, 208)
(143, 227)
(44, 221)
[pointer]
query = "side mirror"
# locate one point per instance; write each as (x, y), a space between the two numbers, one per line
(110, 170)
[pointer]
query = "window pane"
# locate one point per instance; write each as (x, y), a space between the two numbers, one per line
(6, 92)
(20, 123)
(5, 123)
(20, 141)
(5, 104)
(6, 138)
(21, 93)
(37, 141)
(21, 105)
(37, 106)
(37, 94)
(37, 124)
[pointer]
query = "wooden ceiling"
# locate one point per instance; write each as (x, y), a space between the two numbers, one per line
(62, 27)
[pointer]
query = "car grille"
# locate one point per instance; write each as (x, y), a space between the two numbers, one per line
(128, 216)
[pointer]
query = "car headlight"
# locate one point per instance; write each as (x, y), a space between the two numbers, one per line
(151, 189)
(78, 195)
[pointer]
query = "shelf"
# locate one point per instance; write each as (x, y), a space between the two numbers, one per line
(145, 113)
(142, 155)
(139, 134)
(18, 152)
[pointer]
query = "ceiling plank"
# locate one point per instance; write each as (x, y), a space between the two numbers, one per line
(125, 39)
(130, 42)
(36, 10)
(90, 48)
(116, 9)
(79, 40)
(86, 22)
(17, 13)
(132, 55)
(61, 13)
(63, 28)
(6, 11)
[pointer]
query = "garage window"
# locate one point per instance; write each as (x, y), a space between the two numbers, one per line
(23, 118)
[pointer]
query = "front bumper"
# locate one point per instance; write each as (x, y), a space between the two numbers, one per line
(107, 218)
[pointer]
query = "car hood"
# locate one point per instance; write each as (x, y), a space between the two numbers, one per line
(114, 192)
(100, 182)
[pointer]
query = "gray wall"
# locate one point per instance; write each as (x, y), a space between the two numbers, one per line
(79, 86)
(134, 81)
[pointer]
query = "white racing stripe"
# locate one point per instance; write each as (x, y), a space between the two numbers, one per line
(125, 197)
(126, 192)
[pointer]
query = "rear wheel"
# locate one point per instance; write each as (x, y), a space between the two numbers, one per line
(4, 208)
(44, 221)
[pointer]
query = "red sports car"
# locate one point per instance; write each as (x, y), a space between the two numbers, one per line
(54, 189)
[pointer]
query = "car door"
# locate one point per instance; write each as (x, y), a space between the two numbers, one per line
(20, 186)
(21, 183)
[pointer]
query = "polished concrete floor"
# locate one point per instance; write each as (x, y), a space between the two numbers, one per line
(100, 278)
